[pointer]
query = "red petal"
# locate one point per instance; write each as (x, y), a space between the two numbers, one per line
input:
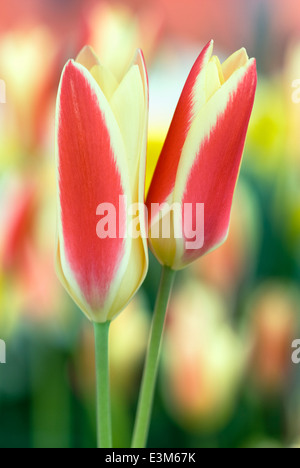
(213, 177)
(165, 173)
(88, 176)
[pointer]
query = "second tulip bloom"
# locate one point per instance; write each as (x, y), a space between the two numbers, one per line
(201, 158)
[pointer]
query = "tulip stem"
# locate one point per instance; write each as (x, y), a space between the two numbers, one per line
(145, 403)
(104, 430)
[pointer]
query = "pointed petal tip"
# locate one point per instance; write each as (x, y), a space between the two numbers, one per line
(87, 57)
(251, 65)
(139, 53)
(70, 65)
(69, 69)
(210, 44)
(244, 53)
(208, 49)
(70, 61)
(139, 60)
(87, 48)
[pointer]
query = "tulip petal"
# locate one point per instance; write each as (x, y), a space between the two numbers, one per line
(140, 62)
(105, 79)
(237, 60)
(211, 156)
(92, 170)
(166, 245)
(191, 100)
(133, 277)
(213, 81)
(87, 58)
(130, 105)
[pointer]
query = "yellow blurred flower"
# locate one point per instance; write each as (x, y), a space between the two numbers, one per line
(128, 342)
(115, 34)
(291, 81)
(266, 140)
(288, 187)
(202, 359)
(27, 59)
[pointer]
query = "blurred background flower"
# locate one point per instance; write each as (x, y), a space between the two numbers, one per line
(203, 359)
(272, 326)
(226, 378)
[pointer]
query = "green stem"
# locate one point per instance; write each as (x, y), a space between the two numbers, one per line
(103, 388)
(144, 410)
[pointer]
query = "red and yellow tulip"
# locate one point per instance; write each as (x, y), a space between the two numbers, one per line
(201, 157)
(101, 154)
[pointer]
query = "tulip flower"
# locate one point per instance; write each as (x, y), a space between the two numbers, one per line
(199, 164)
(101, 127)
(101, 141)
(190, 196)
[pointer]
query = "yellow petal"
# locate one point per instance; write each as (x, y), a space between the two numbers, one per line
(213, 82)
(132, 278)
(87, 58)
(105, 80)
(166, 247)
(199, 92)
(235, 61)
(104, 77)
(128, 105)
(216, 60)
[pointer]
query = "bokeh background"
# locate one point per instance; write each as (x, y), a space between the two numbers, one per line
(226, 377)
